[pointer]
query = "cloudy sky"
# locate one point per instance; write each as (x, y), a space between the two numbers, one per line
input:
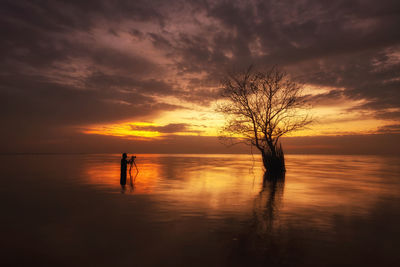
(99, 76)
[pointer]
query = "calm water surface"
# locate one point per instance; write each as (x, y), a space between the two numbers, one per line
(199, 210)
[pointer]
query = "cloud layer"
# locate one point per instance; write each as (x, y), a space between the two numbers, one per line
(67, 64)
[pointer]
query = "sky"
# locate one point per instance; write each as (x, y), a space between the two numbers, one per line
(144, 76)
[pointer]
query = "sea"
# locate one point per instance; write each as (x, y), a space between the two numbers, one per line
(199, 210)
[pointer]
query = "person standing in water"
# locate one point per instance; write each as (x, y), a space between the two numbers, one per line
(124, 164)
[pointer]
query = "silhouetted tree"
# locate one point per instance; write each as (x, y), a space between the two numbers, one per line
(261, 107)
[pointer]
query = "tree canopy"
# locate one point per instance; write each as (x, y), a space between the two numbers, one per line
(262, 106)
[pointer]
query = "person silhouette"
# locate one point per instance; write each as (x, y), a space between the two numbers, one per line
(124, 164)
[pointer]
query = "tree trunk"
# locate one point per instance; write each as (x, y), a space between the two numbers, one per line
(273, 159)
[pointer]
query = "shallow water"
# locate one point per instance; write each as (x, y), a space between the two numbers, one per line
(200, 210)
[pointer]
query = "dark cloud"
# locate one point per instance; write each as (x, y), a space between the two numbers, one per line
(325, 99)
(388, 114)
(103, 81)
(392, 128)
(72, 63)
(51, 102)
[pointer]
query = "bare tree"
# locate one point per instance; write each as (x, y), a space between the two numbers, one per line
(261, 107)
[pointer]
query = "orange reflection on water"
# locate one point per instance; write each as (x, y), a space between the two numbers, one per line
(316, 188)
(107, 174)
(207, 182)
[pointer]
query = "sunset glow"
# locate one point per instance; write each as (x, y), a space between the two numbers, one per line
(337, 118)
(154, 71)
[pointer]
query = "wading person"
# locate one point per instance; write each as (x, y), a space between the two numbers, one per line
(124, 163)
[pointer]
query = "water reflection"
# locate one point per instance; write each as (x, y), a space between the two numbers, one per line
(131, 183)
(208, 184)
(268, 202)
(102, 173)
(316, 188)
(205, 210)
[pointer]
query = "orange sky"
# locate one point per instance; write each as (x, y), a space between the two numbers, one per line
(336, 118)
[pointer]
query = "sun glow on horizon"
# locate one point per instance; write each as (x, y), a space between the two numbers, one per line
(338, 117)
(123, 130)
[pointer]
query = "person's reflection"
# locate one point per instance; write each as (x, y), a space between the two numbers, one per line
(132, 181)
(123, 188)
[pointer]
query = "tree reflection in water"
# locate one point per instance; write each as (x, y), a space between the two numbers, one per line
(267, 204)
(264, 242)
